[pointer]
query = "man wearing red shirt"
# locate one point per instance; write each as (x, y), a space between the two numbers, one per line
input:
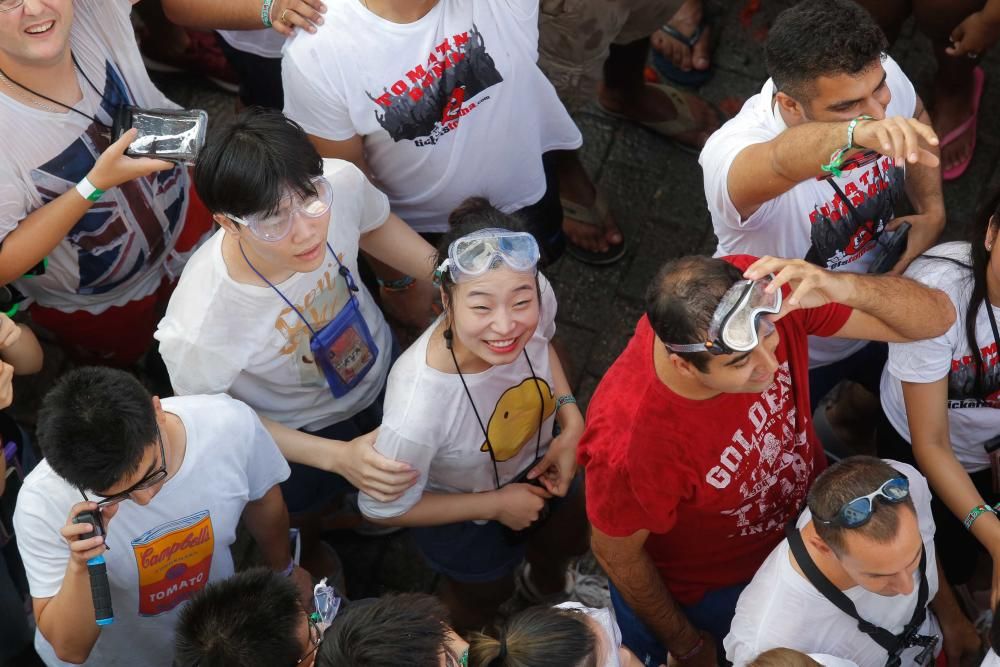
(699, 445)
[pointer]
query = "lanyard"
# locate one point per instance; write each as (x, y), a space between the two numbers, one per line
(79, 69)
(344, 271)
(893, 644)
(489, 445)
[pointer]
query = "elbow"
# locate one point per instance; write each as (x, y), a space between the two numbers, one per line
(71, 655)
(945, 315)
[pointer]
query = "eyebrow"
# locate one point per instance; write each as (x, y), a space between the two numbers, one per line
(848, 103)
(920, 551)
(738, 359)
(484, 293)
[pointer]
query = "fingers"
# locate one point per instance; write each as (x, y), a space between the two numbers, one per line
(766, 265)
(957, 48)
(538, 491)
(925, 131)
(542, 466)
(9, 331)
(6, 385)
(147, 165)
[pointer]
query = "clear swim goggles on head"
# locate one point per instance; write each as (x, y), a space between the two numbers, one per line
(476, 253)
(275, 226)
(737, 319)
(857, 512)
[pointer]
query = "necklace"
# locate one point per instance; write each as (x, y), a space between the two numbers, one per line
(14, 85)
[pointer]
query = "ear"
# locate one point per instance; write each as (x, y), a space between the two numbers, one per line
(683, 367)
(161, 416)
(227, 224)
(819, 545)
(791, 109)
(991, 232)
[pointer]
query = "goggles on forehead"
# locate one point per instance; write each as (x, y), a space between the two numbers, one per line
(275, 226)
(857, 512)
(738, 319)
(476, 253)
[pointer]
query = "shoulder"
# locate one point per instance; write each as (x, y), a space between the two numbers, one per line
(215, 413)
(43, 495)
(342, 173)
(753, 124)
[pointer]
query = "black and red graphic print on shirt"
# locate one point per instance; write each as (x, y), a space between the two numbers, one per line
(431, 98)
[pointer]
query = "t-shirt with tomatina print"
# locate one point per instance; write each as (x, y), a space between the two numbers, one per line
(811, 220)
(714, 481)
(162, 553)
(973, 420)
(450, 106)
(125, 244)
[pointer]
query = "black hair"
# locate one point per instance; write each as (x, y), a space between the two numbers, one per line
(247, 166)
(821, 38)
(252, 619)
(538, 637)
(94, 426)
(683, 297)
(472, 215)
(399, 629)
(842, 482)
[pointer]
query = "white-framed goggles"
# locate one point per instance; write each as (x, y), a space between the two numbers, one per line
(275, 226)
(475, 254)
(738, 319)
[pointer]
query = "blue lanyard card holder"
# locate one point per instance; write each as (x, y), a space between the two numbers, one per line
(345, 349)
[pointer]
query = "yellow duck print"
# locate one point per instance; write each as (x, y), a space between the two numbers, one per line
(515, 418)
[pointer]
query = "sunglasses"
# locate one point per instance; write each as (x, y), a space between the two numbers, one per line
(858, 511)
(152, 479)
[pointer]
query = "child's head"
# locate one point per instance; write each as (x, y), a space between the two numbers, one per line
(543, 637)
(489, 282)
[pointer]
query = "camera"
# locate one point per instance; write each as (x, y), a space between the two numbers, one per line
(94, 519)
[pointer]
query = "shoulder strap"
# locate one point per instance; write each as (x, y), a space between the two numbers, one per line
(893, 644)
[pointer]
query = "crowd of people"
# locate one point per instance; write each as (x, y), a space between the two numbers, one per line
(346, 290)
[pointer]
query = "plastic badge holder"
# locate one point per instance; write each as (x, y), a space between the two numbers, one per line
(176, 135)
(345, 349)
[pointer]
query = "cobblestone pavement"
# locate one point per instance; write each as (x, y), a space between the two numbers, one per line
(655, 191)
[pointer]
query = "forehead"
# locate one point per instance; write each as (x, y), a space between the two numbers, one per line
(834, 88)
(499, 281)
(868, 555)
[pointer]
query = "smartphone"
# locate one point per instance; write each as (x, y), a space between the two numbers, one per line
(889, 253)
(177, 135)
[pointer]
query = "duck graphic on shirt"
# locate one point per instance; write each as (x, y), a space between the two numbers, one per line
(515, 418)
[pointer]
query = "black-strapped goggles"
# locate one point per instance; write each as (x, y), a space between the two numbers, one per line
(738, 320)
(857, 512)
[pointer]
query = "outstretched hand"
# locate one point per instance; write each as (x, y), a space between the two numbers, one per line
(287, 15)
(811, 285)
(900, 138)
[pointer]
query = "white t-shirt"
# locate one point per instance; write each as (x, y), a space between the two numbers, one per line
(450, 106)
(991, 659)
(973, 422)
(121, 249)
(810, 220)
(429, 423)
(780, 608)
(162, 553)
(219, 335)
(266, 43)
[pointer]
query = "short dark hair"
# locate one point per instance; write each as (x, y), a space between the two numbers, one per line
(821, 38)
(683, 297)
(248, 165)
(251, 619)
(397, 629)
(538, 637)
(844, 481)
(94, 426)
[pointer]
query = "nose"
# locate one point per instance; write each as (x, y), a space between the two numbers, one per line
(503, 323)
(902, 583)
(143, 496)
(766, 359)
(875, 108)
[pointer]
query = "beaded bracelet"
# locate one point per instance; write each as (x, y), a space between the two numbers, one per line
(398, 285)
(694, 651)
(837, 158)
(974, 513)
(265, 13)
(565, 399)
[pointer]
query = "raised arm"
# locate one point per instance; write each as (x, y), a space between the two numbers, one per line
(245, 14)
(766, 170)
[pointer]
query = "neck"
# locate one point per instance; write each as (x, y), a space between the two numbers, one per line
(174, 443)
(824, 560)
(668, 374)
(992, 283)
(467, 361)
(239, 269)
(54, 79)
(400, 11)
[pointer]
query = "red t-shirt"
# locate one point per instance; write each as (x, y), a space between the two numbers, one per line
(714, 481)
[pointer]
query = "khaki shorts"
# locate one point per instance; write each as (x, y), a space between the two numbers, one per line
(575, 36)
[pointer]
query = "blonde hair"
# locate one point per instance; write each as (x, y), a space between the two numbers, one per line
(783, 657)
(537, 637)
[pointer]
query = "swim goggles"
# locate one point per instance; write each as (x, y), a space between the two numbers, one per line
(475, 254)
(857, 512)
(737, 319)
(275, 226)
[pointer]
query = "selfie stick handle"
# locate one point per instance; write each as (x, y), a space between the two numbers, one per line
(100, 590)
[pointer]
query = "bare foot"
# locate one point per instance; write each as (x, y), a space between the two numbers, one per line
(575, 186)
(686, 21)
(952, 107)
(654, 105)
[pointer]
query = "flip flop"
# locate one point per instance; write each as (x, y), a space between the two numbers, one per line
(952, 173)
(594, 215)
(668, 128)
(693, 78)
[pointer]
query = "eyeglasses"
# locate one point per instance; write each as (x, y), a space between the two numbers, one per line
(315, 638)
(9, 5)
(738, 319)
(858, 512)
(152, 479)
(274, 227)
(475, 254)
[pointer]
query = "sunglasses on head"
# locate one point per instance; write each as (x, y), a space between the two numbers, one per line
(857, 512)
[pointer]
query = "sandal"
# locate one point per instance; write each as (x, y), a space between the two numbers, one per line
(692, 78)
(593, 215)
(952, 173)
(683, 122)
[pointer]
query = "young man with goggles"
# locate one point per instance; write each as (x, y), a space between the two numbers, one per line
(863, 549)
(699, 446)
(272, 309)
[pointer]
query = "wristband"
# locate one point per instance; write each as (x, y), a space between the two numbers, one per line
(265, 13)
(88, 190)
(565, 399)
(694, 651)
(974, 513)
(399, 285)
(837, 157)
(287, 572)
